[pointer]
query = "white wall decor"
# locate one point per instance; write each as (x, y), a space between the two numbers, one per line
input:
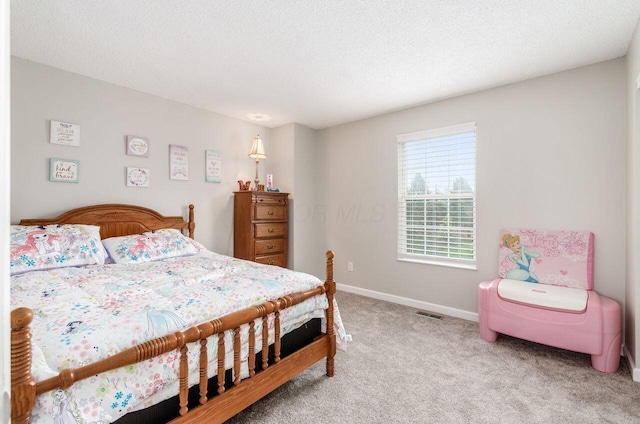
(178, 162)
(137, 177)
(137, 146)
(213, 166)
(64, 170)
(64, 133)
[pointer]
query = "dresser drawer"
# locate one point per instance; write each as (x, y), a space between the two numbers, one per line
(262, 199)
(271, 212)
(268, 247)
(279, 260)
(270, 230)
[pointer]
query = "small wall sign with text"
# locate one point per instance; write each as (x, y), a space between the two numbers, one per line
(137, 146)
(65, 133)
(64, 170)
(137, 177)
(178, 162)
(213, 163)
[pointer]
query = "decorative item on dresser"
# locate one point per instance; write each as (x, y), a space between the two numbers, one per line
(260, 227)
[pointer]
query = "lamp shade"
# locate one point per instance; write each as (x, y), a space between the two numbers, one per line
(257, 149)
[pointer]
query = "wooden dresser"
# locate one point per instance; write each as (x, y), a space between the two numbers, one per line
(260, 226)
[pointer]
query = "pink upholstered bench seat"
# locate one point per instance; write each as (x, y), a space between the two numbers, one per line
(568, 299)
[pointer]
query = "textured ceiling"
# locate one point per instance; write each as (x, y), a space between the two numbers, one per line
(318, 62)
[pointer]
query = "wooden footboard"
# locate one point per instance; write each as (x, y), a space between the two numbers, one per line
(216, 409)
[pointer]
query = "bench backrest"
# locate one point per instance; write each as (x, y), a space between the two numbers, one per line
(559, 258)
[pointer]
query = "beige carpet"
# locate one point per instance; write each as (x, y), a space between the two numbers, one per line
(405, 368)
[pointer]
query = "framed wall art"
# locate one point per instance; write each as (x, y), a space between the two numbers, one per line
(64, 133)
(64, 170)
(137, 177)
(213, 166)
(178, 162)
(137, 146)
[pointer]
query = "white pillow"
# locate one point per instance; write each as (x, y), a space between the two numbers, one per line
(150, 246)
(54, 246)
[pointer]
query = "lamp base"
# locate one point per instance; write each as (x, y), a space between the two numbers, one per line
(257, 181)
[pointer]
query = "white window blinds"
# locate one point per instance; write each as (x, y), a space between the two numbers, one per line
(437, 196)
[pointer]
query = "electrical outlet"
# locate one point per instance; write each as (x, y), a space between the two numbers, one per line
(350, 266)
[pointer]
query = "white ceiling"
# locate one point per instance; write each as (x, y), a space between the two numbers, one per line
(318, 62)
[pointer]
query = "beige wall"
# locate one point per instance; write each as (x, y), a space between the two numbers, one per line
(550, 155)
(106, 113)
(308, 218)
(632, 291)
(280, 160)
(293, 160)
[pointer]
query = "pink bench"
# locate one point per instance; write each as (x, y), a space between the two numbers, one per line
(545, 295)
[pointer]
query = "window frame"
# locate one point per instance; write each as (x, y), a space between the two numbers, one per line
(403, 196)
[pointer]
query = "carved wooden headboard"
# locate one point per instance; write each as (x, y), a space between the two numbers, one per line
(119, 220)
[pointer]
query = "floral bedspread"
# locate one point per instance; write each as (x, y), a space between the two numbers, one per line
(85, 314)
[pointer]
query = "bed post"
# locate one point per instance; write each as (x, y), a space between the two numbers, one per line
(23, 385)
(192, 224)
(330, 287)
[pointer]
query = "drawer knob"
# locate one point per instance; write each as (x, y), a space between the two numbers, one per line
(270, 230)
(270, 213)
(271, 262)
(269, 246)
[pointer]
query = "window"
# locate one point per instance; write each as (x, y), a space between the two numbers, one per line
(437, 196)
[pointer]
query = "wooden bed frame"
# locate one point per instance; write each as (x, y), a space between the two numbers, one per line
(118, 220)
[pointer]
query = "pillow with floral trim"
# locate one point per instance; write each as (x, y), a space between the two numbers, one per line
(150, 246)
(54, 246)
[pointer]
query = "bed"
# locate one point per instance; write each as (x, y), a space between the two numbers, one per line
(177, 327)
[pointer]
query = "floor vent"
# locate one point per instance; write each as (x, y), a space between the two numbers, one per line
(429, 315)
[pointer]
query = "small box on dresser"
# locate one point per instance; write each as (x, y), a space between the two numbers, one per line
(260, 226)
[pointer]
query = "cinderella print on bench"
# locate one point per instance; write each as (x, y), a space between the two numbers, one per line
(560, 308)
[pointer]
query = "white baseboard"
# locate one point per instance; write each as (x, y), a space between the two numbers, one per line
(635, 372)
(431, 307)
